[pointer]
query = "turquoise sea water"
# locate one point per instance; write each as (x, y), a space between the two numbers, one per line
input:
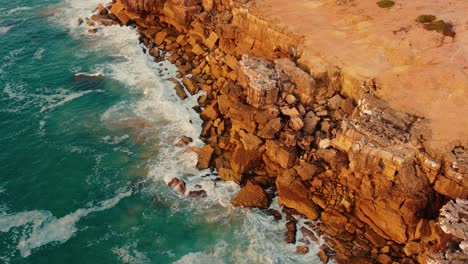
(87, 125)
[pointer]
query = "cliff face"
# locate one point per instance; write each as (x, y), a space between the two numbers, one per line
(319, 135)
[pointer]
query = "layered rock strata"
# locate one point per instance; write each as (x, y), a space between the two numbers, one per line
(280, 123)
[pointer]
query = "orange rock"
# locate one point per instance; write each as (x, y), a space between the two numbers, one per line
(230, 175)
(211, 41)
(117, 7)
(251, 195)
(293, 194)
(284, 156)
(204, 157)
(243, 160)
(190, 85)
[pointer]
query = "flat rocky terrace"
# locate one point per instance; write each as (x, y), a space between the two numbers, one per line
(417, 71)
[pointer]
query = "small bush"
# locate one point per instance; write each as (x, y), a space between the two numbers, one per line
(426, 19)
(385, 3)
(438, 25)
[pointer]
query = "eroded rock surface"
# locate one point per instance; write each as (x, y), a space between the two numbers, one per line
(335, 134)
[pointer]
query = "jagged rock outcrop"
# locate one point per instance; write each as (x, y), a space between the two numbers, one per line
(323, 139)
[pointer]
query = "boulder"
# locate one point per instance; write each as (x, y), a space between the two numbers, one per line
(305, 84)
(276, 215)
(177, 185)
(190, 85)
(183, 141)
(270, 129)
(211, 112)
(310, 122)
(204, 157)
(283, 156)
(296, 123)
(307, 171)
(293, 194)
(291, 229)
(251, 195)
(260, 81)
(103, 20)
(207, 5)
(198, 194)
(250, 141)
(243, 160)
(302, 250)
(229, 175)
(211, 41)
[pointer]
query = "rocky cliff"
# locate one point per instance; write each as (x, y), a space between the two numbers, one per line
(279, 121)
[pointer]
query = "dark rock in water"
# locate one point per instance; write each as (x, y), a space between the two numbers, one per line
(197, 109)
(177, 185)
(136, 185)
(88, 81)
(251, 195)
(101, 10)
(80, 21)
(93, 30)
(183, 141)
(302, 250)
(276, 215)
(308, 234)
(198, 194)
(291, 232)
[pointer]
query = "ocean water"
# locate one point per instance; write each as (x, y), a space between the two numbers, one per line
(87, 126)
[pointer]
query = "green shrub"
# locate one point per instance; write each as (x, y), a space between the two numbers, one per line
(426, 19)
(385, 3)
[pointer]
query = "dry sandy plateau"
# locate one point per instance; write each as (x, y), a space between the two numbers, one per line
(417, 71)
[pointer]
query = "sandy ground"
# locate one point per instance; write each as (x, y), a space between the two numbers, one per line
(417, 71)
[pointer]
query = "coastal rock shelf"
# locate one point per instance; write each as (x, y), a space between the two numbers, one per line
(281, 122)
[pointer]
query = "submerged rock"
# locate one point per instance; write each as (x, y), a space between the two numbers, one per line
(198, 194)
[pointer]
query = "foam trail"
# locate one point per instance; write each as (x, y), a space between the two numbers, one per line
(47, 228)
(4, 30)
(15, 10)
(38, 54)
(129, 255)
(68, 98)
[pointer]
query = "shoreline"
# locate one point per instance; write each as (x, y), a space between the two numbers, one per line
(302, 137)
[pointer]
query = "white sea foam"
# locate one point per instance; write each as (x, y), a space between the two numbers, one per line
(38, 54)
(4, 30)
(14, 10)
(66, 99)
(14, 91)
(128, 254)
(46, 228)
